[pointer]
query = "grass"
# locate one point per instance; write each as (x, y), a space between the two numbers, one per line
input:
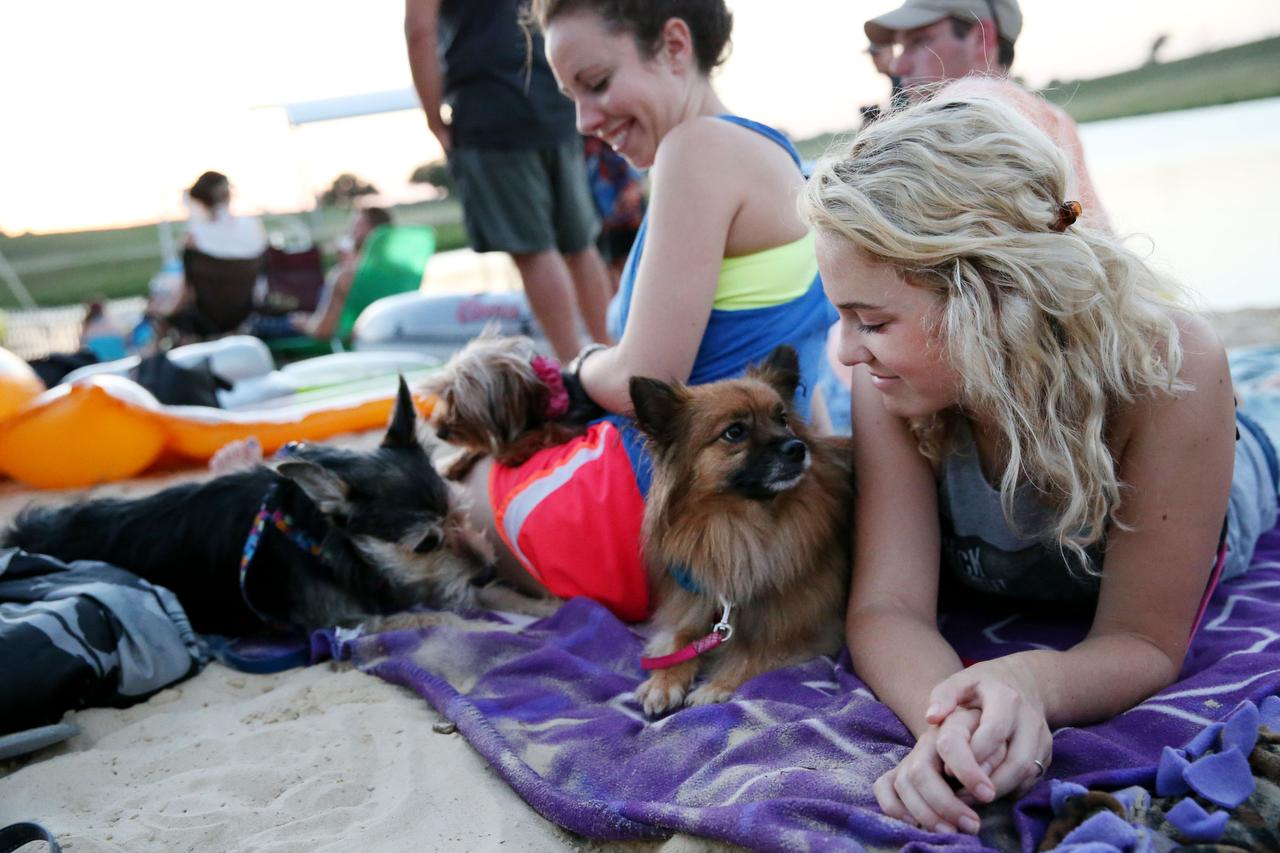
(69, 268)
(1240, 73)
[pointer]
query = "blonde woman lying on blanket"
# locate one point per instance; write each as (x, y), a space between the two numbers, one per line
(1029, 403)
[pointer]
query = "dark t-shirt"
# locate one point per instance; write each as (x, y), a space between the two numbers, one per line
(496, 79)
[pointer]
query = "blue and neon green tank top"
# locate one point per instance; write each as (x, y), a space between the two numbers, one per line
(762, 300)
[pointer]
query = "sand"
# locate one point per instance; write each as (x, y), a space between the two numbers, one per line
(322, 758)
(1247, 327)
(319, 758)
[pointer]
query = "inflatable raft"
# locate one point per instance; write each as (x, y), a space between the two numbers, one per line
(99, 426)
(439, 324)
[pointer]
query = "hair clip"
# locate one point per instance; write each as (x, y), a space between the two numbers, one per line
(1068, 213)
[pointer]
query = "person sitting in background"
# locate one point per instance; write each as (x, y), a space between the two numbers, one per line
(324, 320)
(214, 235)
(322, 323)
(212, 229)
(100, 334)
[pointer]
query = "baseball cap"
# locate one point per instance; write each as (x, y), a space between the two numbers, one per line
(922, 13)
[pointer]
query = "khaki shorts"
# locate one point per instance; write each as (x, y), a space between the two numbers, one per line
(525, 200)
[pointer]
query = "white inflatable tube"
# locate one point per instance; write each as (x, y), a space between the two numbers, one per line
(233, 358)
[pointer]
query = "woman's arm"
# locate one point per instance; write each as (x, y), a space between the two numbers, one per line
(892, 622)
(893, 604)
(323, 322)
(701, 182)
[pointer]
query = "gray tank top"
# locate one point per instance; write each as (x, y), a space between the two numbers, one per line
(985, 552)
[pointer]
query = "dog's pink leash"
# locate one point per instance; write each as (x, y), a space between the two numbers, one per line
(720, 634)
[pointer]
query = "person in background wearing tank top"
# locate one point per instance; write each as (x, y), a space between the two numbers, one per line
(514, 156)
(1031, 405)
(722, 271)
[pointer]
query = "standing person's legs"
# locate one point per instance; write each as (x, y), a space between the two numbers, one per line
(549, 287)
(591, 283)
(511, 201)
(577, 225)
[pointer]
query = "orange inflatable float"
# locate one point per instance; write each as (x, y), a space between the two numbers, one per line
(106, 427)
(18, 384)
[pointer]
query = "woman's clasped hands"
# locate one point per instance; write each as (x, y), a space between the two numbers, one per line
(987, 737)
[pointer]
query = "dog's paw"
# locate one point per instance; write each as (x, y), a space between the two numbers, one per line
(708, 694)
(661, 693)
(236, 456)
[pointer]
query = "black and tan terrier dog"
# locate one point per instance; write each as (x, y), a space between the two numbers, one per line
(497, 397)
(325, 536)
(747, 532)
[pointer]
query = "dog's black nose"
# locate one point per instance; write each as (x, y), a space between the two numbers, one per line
(793, 449)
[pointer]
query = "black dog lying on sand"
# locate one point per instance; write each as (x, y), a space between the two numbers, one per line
(343, 537)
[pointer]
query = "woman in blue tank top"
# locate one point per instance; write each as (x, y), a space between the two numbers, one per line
(722, 272)
(1030, 404)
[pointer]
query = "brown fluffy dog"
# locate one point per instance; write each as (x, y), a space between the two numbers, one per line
(497, 397)
(746, 507)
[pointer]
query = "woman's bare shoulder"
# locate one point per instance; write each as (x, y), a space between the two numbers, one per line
(1204, 359)
(1204, 373)
(722, 145)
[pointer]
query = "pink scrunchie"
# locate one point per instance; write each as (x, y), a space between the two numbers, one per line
(548, 370)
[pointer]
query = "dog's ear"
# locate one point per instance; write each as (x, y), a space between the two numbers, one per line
(781, 369)
(325, 488)
(402, 432)
(657, 406)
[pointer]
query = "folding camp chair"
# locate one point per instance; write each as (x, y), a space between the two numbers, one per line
(392, 261)
(294, 280)
(222, 290)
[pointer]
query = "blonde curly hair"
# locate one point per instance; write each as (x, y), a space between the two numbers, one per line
(1049, 329)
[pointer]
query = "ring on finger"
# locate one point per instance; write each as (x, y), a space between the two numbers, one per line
(1043, 769)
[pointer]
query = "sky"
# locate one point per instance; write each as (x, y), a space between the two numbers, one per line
(110, 109)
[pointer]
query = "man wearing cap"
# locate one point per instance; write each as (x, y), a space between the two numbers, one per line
(965, 48)
(941, 40)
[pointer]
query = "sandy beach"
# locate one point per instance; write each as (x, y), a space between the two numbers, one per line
(322, 758)
(1247, 327)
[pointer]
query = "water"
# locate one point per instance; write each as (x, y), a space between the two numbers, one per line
(1204, 186)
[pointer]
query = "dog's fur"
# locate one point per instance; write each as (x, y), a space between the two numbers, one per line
(388, 538)
(757, 510)
(491, 402)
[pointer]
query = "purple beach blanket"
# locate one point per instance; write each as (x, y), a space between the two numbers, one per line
(789, 762)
